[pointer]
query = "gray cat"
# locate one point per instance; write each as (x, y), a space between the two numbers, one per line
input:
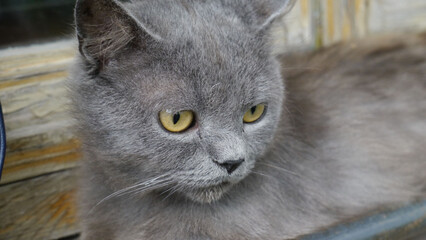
(189, 131)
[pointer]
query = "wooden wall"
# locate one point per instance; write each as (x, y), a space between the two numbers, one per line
(317, 23)
(37, 189)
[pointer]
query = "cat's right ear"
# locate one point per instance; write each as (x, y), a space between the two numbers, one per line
(105, 28)
(268, 10)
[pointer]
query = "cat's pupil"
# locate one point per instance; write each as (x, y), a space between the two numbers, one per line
(253, 109)
(176, 118)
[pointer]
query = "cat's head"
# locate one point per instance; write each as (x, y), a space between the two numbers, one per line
(182, 92)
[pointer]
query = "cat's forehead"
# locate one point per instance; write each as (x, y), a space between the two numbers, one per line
(213, 75)
(176, 20)
(201, 36)
(187, 88)
(207, 55)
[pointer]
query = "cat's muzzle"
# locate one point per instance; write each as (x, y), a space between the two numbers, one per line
(208, 194)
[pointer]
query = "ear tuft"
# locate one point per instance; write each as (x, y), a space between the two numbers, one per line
(269, 10)
(104, 28)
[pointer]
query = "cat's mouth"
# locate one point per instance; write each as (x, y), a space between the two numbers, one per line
(208, 194)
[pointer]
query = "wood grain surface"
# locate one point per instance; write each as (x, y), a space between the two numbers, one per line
(40, 208)
(34, 99)
(37, 189)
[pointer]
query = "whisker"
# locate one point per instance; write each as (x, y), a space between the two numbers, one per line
(280, 168)
(148, 184)
(264, 175)
(132, 187)
(176, 188)
(167, 190)
(135, 192)
(147, 188)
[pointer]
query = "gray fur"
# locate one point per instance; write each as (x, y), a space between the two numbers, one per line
(337, 140)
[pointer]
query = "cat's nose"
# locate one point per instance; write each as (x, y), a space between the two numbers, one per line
(230, 165)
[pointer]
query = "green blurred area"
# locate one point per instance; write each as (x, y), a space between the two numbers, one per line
(33, 21)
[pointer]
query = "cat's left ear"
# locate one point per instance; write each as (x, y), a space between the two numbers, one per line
(268, 10)
(105, 29)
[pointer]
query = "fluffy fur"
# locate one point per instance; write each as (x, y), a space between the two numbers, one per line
(341, 136)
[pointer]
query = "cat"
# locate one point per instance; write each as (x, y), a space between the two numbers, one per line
(190, 132)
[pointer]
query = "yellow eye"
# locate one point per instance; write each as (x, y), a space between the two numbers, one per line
(176, 122)
(254, 113)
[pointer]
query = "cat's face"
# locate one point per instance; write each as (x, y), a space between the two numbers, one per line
(197, 110)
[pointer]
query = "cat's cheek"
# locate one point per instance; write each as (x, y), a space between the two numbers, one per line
(259, 134)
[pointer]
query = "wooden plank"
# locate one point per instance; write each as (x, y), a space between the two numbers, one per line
(314, 23)
(34, 98)
(40, 141)
(24, 164)
(33, 60)
(33, 79)
(37, 126)
(40, 208)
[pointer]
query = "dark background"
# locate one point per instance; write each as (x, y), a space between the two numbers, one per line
(35, 21)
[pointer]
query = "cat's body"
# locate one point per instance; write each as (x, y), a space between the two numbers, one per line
(348, 136)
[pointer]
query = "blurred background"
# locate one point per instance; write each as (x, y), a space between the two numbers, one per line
(37, 189)
(317, 23)
(31, 21)
(312, 23)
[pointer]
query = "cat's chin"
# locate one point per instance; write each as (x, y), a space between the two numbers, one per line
(208, 194)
